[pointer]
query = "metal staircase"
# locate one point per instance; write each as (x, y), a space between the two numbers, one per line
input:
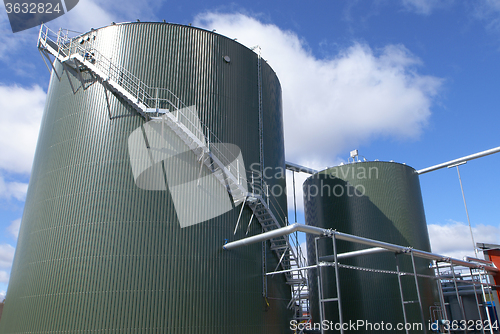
(78, 55)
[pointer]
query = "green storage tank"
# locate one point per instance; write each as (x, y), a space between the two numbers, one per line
(376, 200)
(98, 253)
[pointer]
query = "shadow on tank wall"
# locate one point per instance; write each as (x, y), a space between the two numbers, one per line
(385, 206)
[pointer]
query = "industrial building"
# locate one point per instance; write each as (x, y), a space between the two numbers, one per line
(149, 176)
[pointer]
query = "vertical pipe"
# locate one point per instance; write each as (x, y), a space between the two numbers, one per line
(467, 213)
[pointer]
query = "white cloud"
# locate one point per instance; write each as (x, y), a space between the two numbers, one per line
(4, 278)
(14, 227)
(333, 105)
(21, 112)
(10, 190)
(2, 295)
(86, 15)
(299, 194)
(454, 239)
(104, 12)
(6, 256)
(10, 43)
(488, 11)
(425, 6)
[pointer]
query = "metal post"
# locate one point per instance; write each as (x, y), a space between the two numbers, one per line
(441, 295)
(460, 304)
(484, 298)
(253, 184)
(267, 194)
(337, 282)
(418, 290)
(109, 69)
(138, 92)
(162, 130)
(264, 269)
(156, 102)
(238, 170)
(477, 300)
(401, 291)
(320, 285)
(294, 199)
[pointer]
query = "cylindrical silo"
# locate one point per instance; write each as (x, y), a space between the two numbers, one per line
(376, 200)
(99, 252)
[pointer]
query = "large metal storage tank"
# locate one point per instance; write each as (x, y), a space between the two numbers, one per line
(96, 253)
(376, 200)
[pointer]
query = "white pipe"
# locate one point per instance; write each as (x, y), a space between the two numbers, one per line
(459, 160)
(346, 255)
(298, 168)
(352, 238)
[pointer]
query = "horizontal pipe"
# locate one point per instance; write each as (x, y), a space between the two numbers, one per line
(298, 168)
(459, 160)
(347, 255)
(274, 234)
(475, 259)
(351, 238)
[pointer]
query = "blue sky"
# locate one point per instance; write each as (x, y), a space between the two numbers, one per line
(414, 81)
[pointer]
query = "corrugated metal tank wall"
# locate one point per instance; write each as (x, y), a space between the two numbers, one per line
(97, 253)
(376, 200)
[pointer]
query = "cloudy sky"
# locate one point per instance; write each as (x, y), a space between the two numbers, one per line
(414, 81)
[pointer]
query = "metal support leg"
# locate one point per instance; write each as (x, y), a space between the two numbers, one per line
(71, 84)
(484, 298)
(401, 292)
(107, 101)
(418, 292)
(441, 295)
(199, 176)
(460, 304)
(250, 223)
(337, 282)
(239, 217)
(477, 300)
(281, 258)
(320, 285)
(322, 300)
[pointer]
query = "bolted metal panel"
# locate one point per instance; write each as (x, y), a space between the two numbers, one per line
(376, 200)
(97, 253)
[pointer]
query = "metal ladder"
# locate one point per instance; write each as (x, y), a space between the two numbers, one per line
(407, 302)
(78, 54)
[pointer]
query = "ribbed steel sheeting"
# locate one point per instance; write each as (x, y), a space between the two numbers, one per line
(97, 253)
(376, 200)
